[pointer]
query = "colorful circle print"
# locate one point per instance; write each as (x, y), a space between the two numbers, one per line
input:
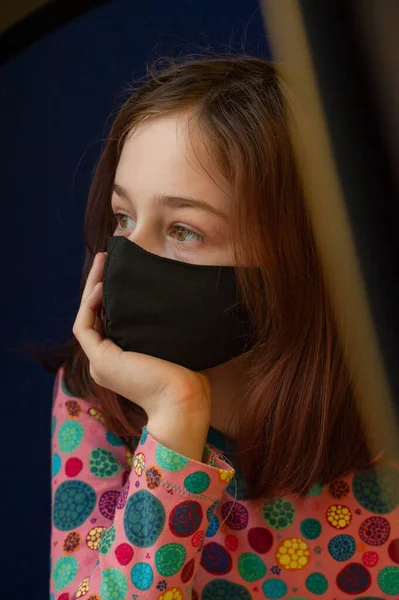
(388, 580)
(123, 496)
(124, 553)
(370, 558)
(220, 589)
(293, 554)
(144, 519)
(70, 435)
(144, 435)
(169, 460)
(251, 567)
(213, 527)
(142, 576)
(169, 559)
(153, 477)
(316, 490)
(132, 518)
(235, 515)
(93, 537)
(185, 518)
(211, 510)
(113, 585)
(188, 571)
(64, 571)
(311, 529)
(260, 539)
(342, 547)
(216, 559)
(377, 491)
(197, 483)
(74, 501)
(393, 550)
(57, 464)
(103, 463)
(274, 589)
(71, 542)
(198, 539)
(375, 531)
(107, 539)
(73, 408)
(339, 516)
(354, 578)
(108, 502)
(338, 489)
(73, 466)
(316, 583)
(279, 514)
(82, 590)
(113, 439)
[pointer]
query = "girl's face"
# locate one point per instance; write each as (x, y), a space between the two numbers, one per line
(164, 200)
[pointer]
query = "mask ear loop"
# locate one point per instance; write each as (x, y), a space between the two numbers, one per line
(223, 457)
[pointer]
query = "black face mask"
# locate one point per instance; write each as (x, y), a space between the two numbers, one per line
(184, 313)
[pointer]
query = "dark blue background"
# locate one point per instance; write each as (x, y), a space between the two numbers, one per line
(56, 101)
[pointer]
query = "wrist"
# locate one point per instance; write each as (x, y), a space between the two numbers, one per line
(186, 436)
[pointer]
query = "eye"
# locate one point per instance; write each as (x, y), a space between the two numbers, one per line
(122, 221)
(183, 234)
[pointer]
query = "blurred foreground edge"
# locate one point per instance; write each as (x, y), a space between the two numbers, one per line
(338, 62)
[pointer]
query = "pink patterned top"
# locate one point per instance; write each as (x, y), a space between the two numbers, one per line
(137, 521)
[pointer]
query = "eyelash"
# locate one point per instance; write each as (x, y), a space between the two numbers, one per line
(197, 236)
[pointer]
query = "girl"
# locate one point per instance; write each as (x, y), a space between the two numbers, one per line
(206, 438)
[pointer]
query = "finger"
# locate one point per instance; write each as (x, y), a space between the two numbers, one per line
(205, 373)
(87, 313)
(95, 274)
(99, 325)
(102, 353)
(85, 320)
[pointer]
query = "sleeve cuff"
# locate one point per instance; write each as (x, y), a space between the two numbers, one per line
(206, 480)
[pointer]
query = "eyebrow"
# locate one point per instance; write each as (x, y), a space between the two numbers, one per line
(176, 202)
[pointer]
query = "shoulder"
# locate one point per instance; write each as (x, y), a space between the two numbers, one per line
(66, 405)
(78, 423)
(358, 495)
(354, 518)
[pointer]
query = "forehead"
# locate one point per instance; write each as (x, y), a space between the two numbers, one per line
(171, 152)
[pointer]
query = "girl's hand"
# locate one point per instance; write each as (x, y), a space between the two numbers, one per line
(176, 400)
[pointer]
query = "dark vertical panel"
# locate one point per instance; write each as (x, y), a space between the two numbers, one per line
(355, 120)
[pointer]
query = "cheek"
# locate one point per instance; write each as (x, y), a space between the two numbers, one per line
(118, 233)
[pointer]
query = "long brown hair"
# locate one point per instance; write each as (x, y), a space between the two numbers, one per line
(301, 424)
